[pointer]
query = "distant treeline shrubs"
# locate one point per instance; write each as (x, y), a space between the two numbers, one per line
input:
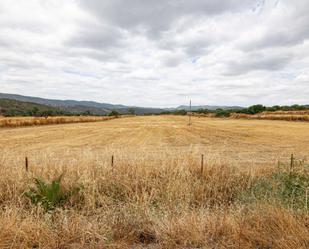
(34, 112)
(14, 108)
(254, 109)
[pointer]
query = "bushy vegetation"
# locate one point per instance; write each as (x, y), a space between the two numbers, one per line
(251, 110)
(175, 112)
(50, 195)
(114, 113)
(254, 109)
(260, 108)
(15, 108)
(287, 186)
(222, 113)
(12, 108)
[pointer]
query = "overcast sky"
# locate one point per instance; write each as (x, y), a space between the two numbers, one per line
(157, 53)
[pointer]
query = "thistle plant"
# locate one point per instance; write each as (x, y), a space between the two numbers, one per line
(50, 195)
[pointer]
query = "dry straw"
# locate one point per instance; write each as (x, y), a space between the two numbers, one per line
(30, 121)
(279, 115)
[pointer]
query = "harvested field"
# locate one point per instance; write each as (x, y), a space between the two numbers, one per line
(31, 121)
(156, 193)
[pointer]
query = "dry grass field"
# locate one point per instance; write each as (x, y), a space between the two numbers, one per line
(31, 121)
(156, 194)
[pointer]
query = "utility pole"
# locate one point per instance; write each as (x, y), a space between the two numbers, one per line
(190, 114)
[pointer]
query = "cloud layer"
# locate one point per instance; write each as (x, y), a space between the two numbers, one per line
(157, 53)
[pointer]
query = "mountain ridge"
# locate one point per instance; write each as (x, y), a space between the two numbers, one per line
(98, 108)
(76, 106)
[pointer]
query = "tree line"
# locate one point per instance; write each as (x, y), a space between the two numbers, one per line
(254, 109)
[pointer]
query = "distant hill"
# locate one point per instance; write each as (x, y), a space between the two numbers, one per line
(209, 107)
(10, 107)
(75, 106)
(22, 104)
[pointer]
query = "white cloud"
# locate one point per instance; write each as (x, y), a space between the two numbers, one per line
(157, 53)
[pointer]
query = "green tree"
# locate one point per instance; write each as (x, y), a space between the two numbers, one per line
(35, 111)
(131, 111)
(256, 109)
(114, 113)
(222, 113)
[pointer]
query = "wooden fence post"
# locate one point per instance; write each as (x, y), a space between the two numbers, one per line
(112, 162)
(26, 164)
(306, 199)
(292, 163)
(202, 163)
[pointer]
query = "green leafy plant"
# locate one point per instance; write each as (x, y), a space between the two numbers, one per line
(50, 195)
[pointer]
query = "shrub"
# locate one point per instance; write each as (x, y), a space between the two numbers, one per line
(256, 109)
(286, 187)
(114, 113)
(203, 111)
(131, 111)
(222, 113)
(180, 112)
(50, 195)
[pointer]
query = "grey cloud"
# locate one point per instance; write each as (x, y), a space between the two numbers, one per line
(172, 60)
(195, 44)
(97, 37)
(157, 16)
(195, 50)
(198, 46)
(283, 38)
(288, 29)
(5, 43)
(256, 62)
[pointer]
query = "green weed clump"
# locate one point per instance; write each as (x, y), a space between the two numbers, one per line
(50, 195)
(287, 186)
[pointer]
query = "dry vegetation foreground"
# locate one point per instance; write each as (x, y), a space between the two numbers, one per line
(156, 195)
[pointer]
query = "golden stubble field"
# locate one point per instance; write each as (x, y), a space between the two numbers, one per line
(241, 142)
(155, 195)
